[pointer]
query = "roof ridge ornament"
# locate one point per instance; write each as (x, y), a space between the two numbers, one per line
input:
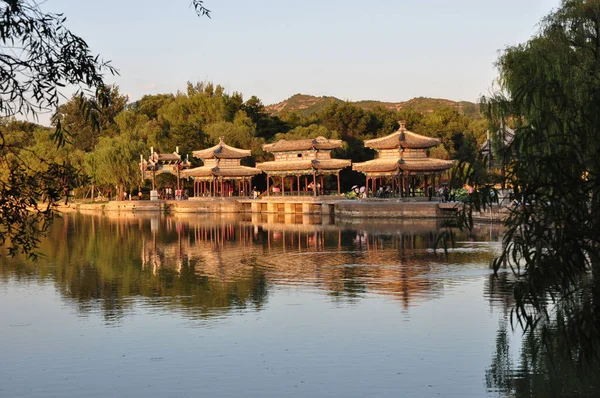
(402, 124)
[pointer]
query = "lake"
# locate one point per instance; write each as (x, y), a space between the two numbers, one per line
(187, 306)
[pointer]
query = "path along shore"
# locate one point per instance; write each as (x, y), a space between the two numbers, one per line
(412, 208)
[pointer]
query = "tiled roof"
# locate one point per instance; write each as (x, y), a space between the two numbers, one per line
(231, 171)
(279, 165)
(377, 165)
(168, 157)
(426, 164)
(331, 164)
(221, 151)
(321, 143)
(304, 164)
(392, 165)
(404, 139)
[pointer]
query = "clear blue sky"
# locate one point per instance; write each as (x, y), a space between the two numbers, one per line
(389, 50)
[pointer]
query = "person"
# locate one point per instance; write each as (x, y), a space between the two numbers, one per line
(140, 195)
(254, 193)
(446, 194)
(363, 192)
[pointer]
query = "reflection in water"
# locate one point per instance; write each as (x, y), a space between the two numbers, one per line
(203, 265)
(547, 364)
(207, 268)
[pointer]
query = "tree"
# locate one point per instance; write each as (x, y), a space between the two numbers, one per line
(550, 89)
(312, 131)
(38, 57)
(74, 116)
(114, 162)
(240, 133)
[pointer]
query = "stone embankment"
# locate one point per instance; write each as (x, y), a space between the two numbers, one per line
(368, 208)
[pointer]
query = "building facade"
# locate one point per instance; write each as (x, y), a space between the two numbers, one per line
(402, 162)
(303, 164)
(221, 173)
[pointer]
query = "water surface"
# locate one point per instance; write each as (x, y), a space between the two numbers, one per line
(157, 306)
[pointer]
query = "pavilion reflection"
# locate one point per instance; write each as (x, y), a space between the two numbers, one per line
(394, 259)
(204, 265)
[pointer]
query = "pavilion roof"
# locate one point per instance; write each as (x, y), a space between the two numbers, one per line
(168, 157)
(402, 138)
(399, 164)
(506, 133)
(158, 161)
(319, 143)
(229, 171)
(304, 164)
(221, 151)
(426, 164)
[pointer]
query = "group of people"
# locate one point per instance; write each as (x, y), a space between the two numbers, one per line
(174, 194)
(361, 192)
(446, 194)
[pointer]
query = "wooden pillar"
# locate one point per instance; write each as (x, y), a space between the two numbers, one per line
(283, 185)
(314, 184)
(298, 181)
(426, 187)
(338, 183)
(322, 186)
(268, 190)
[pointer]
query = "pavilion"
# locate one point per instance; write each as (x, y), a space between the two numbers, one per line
(402, 157)
(221, 173)
(307, 157)
(170, 163)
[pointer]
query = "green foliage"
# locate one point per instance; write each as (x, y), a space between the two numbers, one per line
(307, 105)
(49, 57)
(114, 162)
(86, 119)
(312, 131)
(240, 133)
(39, 56)
(551, 94)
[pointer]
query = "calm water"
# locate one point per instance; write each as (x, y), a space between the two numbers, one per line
(265, 307)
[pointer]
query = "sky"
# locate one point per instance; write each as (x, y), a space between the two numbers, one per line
(387, 50)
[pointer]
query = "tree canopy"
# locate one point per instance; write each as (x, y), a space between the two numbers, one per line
(550, 91)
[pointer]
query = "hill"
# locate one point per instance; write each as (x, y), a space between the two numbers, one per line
(308, 104)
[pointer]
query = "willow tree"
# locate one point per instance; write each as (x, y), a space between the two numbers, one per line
(550, 90)
(114, 162)
(39, 56)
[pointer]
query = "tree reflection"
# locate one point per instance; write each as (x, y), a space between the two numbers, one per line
(550, 362)
(203, 266)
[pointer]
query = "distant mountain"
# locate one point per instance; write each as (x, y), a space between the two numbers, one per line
(308, 104)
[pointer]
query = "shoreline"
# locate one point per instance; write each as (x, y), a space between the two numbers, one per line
(396, 209)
